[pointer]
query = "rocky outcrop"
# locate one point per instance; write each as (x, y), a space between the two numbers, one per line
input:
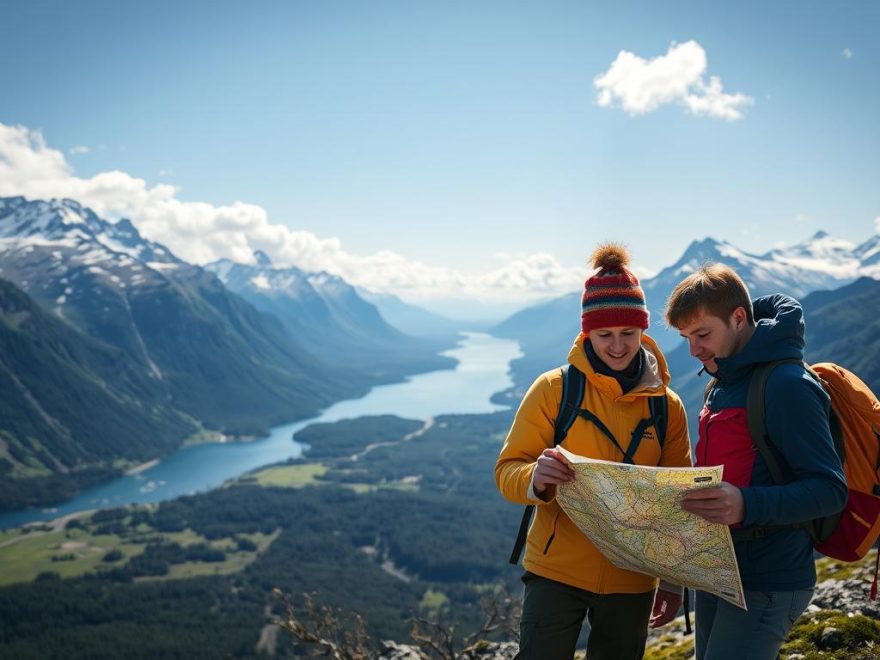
(840, 622)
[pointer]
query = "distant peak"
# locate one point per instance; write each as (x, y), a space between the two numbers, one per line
(126, 226)
(262, 259)
(705, 242)
(67, 202)
(702, 247)
(820, 235)
(16, 200)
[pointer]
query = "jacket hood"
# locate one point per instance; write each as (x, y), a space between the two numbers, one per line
(655, 379)
(779, 335)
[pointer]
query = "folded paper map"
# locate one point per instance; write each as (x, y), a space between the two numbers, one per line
(632, 514)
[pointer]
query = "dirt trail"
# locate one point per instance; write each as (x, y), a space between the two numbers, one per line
(56, 525)
(409, 436)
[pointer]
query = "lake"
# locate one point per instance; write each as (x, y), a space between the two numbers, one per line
(482, 370)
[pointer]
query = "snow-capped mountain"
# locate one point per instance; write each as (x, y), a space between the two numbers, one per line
(63, 254)
(64, 222)
(818, 263)
(821, 262)
(327, 314)
(113, 349)
(220, 360)
(310, 304)
(868, 254)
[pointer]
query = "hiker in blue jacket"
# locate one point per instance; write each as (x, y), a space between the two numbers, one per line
(730, 335)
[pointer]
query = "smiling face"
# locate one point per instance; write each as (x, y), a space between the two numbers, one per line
(616, 346)
(710, 337)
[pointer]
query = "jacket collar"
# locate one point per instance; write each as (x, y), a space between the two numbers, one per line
(655, 377)
(779, 335)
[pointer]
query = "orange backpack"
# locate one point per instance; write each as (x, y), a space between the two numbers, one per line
(855, 428)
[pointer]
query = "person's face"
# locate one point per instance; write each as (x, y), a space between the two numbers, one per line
(616, 346)
(711, 337)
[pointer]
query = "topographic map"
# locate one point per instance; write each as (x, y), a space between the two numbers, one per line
(631, 513)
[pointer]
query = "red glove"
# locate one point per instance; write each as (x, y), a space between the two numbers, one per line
(666, 605)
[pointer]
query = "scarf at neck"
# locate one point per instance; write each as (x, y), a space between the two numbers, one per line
(628, 377)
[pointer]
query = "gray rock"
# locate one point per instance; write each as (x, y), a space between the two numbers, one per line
(831, 638)
(492, 651)
(390, 650)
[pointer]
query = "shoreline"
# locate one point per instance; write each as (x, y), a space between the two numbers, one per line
(137, 469)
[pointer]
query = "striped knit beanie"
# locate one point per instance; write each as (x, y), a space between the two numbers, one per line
(612, 295)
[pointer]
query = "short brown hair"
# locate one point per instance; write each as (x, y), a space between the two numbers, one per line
(715, 289)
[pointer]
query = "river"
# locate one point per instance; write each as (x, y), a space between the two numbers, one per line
(482, 370)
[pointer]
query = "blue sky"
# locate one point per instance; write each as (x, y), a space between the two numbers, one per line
(451, 148)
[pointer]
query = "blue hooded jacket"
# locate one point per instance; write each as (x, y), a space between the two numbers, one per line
(797, 424)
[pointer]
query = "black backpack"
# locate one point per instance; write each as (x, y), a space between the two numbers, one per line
(573, 384)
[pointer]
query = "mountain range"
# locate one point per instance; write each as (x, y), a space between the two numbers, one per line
(326, 316)
(115, 351)
(822, 262)
(415, 320)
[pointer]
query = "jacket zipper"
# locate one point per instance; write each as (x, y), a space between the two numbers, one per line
(709, 423)
(552, 534)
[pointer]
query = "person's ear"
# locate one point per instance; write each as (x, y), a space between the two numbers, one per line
(739, 318)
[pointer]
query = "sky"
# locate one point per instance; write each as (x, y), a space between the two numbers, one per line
(445, 151)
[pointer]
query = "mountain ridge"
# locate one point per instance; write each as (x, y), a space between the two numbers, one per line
(821, 262)
(203, 355)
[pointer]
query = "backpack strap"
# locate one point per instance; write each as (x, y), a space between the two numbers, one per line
(688, 629)
(627, 457)
(755, 412)
(657, 419)
(756, 415)
(658, 407)
(573, 385)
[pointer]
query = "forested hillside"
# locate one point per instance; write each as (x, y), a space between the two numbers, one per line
(401, 518)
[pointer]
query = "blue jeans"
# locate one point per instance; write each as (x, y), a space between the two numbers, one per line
(724, 631)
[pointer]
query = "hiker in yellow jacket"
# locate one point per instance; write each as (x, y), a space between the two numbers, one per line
(566, 577)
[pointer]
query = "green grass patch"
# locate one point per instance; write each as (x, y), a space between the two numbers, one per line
(75, 552)
(433, 602)
(291, 476)
(832, 569)
(670, 642)
(10, 534)
(361, 489)
(859, 637)
(71, 553)
(670, 647)
(184, 538)
(235, 561)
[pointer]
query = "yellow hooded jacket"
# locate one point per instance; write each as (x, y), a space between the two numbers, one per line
(556, 549)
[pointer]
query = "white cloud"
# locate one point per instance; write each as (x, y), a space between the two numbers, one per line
(642, 272)
(640, 86)
(76, 151)
(877, 223)
(200, 232)
(847, 53)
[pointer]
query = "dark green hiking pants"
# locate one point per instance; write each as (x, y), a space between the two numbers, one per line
(553, 613)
